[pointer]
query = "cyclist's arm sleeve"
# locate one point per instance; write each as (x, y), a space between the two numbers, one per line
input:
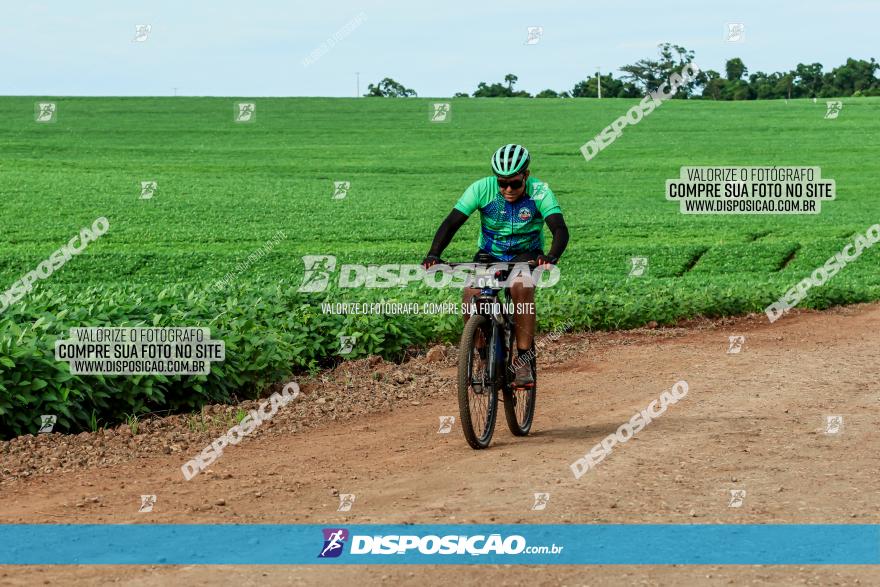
(447, 230)
(560, 234)
(549, 207)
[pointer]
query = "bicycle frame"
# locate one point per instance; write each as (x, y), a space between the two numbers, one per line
(502, 326)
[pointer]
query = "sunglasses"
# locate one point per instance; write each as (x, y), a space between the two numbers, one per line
(514, 185)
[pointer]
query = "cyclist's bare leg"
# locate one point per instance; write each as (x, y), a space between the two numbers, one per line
(467, 298)
(524, 311)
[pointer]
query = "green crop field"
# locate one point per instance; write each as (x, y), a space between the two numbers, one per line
(225, 189)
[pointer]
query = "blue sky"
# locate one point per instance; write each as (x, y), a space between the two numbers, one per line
(257, 48)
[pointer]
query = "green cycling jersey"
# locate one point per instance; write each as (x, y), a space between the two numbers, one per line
(509, 229)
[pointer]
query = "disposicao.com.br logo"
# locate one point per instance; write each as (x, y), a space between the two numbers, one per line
(320, 269)
(476, 545)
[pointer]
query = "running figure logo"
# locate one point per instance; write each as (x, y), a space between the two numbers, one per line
(317, 272)
(541, 501)
(334, 541)
(245, 112)
(639, 266)
(47, 423)
(833, 109)
(737, 497)
(340, 189)
(735, 344)
(346, 500)
(148, 189)
(141, 32)
(534, 34)
(833, 424)
(147, 503)
(440, 112)
(446, 424)
(736, 32)
(44, 111)
(346, 344)
(539, 191)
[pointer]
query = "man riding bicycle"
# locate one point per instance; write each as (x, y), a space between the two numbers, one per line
(513, 208)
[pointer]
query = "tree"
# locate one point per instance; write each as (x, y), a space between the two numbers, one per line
(713, 84)
(856, 75)
(498, 90)
(611, 88)
(765, 86)
(493, 91)
(739, 90)
(735, 69)
(583, 89)
(388, 88)
(645, 73)
(808, 80)
(461, 95)
(784, 85)
(649, 74)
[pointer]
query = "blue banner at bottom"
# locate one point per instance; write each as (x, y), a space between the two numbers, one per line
(555, 544)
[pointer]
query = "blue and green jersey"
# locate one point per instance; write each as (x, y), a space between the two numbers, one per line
(508, 230)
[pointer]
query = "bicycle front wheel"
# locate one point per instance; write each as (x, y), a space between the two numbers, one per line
(477, 394)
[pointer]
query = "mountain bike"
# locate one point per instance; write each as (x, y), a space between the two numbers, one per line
(486, 363)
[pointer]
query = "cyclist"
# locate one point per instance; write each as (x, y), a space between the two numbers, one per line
(513, 208)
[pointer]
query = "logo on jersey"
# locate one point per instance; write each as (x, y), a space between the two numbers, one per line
(334, 541)
(525, 214)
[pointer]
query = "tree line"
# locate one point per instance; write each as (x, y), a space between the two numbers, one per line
(856, 77)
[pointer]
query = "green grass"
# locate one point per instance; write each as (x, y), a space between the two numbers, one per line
(225, 189)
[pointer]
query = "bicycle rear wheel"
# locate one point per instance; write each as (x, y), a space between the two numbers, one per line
(477, 394)
(519, 403)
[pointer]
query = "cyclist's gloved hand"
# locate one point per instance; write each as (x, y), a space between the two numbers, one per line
(430, 261)
(546, 260)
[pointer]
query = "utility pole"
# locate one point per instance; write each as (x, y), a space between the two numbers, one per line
(175, 91)
(599, 81)
(358, 74)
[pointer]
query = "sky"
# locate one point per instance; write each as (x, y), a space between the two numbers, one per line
(262, 48)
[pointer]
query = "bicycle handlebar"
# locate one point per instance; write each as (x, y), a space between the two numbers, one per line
(507, 264)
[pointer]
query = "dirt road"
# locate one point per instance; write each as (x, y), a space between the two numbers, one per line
(755, 420)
